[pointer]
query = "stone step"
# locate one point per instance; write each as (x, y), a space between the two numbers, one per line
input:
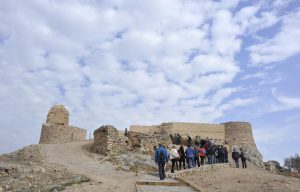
(153, 179)
(158, 188)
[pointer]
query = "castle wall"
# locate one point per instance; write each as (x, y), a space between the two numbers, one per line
(61, 134)
(143, 129)
(215, 131)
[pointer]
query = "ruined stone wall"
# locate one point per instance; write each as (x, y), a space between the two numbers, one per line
(61, 134)
(215, 131)
(109, 141)
(57, 129)
(147, 141)
(58, 115)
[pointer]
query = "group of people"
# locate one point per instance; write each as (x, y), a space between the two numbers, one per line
(193, 156)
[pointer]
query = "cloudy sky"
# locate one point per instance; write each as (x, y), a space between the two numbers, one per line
(146, 62)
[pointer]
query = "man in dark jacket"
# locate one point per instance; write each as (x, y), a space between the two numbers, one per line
(243, 158)
(161, 157)
(236, 156)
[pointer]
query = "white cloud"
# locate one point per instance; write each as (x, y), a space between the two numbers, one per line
(284, 102)
(282, 46)
(115, 62)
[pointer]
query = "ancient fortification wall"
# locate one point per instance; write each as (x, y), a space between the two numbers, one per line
(57, 129)
(236, 135)
(109, 141)
(204, 130)
(216, 131)
(143, 128)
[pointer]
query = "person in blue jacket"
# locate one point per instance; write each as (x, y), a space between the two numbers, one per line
(161, 158)
(190, 156)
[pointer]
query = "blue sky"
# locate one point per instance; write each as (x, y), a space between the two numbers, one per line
(146, 62)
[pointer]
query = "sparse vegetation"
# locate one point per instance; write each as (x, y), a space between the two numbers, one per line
(293, 162)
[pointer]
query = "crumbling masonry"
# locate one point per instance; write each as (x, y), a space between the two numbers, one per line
(57, 129)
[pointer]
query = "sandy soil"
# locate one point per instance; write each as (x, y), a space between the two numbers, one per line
(252, 179)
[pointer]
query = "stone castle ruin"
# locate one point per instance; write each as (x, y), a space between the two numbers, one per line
(110, 141)
(57, 129)
(235, 135)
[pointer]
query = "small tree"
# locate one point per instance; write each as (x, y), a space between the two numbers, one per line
(293, 162)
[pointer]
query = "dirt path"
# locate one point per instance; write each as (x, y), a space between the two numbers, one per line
(78, 160)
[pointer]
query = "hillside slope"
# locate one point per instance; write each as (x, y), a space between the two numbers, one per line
(72, 167)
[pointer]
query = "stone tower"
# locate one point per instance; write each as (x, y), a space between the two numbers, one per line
(238, 135)
(58, 115)
(57, 129)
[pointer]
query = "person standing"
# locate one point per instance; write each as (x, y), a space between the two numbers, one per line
(196, 157)
(202, 153)
(235, 157)
(243, 158)
(161, 158)
(174, 156)
(181, 157)
(190, 156)
(225, 155)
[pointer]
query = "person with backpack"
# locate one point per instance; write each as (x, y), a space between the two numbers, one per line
(161, 158)
(235, 157)
(202, 154)
(174, 156)
(181, 157)
(243, 158)
(189, 152)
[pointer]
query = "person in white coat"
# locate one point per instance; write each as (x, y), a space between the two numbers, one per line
(174, 156)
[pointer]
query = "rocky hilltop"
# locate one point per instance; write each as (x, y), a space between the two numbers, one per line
(73, 167)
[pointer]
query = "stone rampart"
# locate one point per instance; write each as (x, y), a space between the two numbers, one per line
(57, 129)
